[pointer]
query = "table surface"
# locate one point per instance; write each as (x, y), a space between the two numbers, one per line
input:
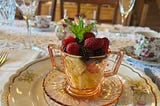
(13, 37)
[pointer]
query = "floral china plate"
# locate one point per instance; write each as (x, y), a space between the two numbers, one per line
(131, 55)
(26, 86)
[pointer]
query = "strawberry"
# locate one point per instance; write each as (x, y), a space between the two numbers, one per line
(66, 41)
(106, 44)
(88, 35)
(93, 43)
(73, 48)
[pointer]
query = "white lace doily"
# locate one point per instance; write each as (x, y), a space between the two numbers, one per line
(15, 37)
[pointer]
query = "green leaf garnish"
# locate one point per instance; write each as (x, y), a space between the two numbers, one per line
(79, 29)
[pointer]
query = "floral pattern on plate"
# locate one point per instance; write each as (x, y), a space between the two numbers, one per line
(27, 77)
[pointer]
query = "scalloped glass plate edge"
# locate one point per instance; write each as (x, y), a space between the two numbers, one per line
(54, 87)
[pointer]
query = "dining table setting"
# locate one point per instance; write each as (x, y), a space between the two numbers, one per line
(79, 62)
(28, 74)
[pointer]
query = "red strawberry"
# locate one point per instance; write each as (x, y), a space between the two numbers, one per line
(93, 43)
(88, 35)
(106, 44)
(73, 48)
(66, 41)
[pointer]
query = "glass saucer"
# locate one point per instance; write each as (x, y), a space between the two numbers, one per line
(54, 88)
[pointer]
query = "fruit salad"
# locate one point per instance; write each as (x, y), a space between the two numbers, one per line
(84, 56)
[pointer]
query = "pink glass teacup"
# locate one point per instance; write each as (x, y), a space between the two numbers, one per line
(84, 75)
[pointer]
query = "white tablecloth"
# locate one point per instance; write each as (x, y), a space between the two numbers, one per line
(13, 37)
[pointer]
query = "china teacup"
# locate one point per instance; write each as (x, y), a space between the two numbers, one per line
(43, 21)
(84, 75)
(62, 30)
(147, 45)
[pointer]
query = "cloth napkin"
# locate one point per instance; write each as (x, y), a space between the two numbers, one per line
(16, 59)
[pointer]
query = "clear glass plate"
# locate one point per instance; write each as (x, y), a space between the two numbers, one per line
(54, 87)
(26, 86)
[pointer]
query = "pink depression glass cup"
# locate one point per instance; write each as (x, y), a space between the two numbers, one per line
(84, 76)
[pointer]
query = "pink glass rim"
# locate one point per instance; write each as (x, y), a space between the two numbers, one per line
(90, 57)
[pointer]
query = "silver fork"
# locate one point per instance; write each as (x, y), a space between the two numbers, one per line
(3, 57)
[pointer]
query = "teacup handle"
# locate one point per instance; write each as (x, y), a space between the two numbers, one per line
(52, 55)
(114, 71)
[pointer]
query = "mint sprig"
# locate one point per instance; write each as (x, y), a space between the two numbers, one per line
(79, 29)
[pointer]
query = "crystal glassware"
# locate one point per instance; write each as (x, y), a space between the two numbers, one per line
(125, 8)
(9, 10)
(2, 15)
(28, 8)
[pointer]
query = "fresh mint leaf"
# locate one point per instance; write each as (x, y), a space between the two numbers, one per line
(79, 29)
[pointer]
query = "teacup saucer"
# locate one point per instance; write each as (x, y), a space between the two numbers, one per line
(130, 54)
(49, 29)
(54, 87)
(120, 30)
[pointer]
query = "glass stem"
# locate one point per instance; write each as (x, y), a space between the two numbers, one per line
(29, 40)
(124, 17)
(122, 21)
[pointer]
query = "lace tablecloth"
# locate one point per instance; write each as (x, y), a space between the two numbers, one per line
(13, 37)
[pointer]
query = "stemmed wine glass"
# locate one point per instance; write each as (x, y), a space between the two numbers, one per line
(2, 14)
(28, 8)
(125, 8)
